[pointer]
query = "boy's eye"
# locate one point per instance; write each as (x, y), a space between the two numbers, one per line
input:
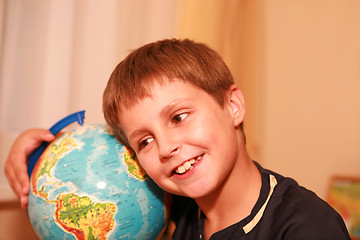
(179, 117)
(145, 142)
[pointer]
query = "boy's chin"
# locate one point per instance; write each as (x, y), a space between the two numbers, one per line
(183, 194)
(194, 194)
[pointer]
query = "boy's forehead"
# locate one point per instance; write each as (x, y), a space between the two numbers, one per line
(146, 89)
(156, 86)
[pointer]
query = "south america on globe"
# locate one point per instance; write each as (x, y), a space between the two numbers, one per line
(86, 185)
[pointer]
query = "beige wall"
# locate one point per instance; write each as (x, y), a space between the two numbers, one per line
(298, 64)
(312, 89)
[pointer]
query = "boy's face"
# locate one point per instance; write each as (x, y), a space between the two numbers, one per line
(183, 138)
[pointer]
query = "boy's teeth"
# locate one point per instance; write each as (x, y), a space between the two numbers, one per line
(186, 166)
(180, 169)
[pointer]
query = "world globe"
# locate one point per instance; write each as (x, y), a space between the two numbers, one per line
(86, 185)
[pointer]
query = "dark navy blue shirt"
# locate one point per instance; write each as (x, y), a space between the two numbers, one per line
(284, 210)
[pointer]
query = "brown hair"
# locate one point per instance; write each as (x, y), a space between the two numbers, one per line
(165, 60)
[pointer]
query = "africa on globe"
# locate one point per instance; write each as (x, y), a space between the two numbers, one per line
(86, 185)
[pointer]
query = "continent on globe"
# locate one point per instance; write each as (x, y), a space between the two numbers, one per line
(134, 167)
(84, 218)
(48, 159)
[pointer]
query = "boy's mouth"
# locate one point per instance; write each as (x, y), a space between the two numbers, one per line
(186, 166)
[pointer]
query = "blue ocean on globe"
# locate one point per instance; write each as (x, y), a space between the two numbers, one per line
(86, 185)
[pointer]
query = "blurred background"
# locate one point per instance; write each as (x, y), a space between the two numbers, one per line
(297, 63)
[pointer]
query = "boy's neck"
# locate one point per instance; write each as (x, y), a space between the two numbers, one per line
(235, 199)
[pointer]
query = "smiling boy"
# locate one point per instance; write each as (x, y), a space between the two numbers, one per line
(174, 102)
(189, 146)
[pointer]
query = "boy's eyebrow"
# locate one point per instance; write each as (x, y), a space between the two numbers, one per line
(136, 133)
(168, 108)
(163, 113)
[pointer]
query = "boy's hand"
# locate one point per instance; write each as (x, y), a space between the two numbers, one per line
(16, 163)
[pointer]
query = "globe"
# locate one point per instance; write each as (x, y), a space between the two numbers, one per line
(86, 185)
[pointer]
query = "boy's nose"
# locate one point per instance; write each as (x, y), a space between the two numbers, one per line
(168, 147)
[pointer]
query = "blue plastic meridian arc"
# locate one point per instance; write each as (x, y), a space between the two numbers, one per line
(75, 117)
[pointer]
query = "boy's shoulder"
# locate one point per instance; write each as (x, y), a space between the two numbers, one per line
(288, 193)
(284, 210)
(300, 212)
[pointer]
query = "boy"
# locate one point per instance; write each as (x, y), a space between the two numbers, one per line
(174, 102)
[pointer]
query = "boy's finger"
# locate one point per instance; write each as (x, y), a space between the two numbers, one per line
(16, 174)
(35, 137)
(24, 202)
(19, 182)
(15, 186)
(23, 180)
(20, 189)
(48, 136)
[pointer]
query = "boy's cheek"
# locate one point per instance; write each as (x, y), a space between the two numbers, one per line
(146, 165)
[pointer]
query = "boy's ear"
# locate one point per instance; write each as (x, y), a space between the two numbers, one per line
(236, 105)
